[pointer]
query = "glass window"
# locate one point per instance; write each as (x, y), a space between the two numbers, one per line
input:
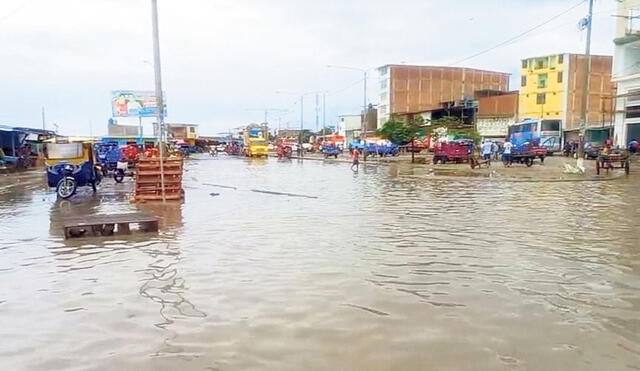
(523, 81)
(560, 58)
(383, 70)
(542, 80)
(560, 76)
(541, 63)
(552, 61)
(634, 20)
(383, 84)
(524, 63)
(541, 98)
(551, 125)
(632, 112)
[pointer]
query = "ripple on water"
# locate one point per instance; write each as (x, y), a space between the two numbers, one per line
(379, 272)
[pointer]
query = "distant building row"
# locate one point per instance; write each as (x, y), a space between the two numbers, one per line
(551, 89)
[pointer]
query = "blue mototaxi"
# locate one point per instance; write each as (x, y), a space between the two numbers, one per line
(69, 166)
(331, 150)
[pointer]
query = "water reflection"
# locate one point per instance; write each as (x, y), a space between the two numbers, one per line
(165, 286)
(386, 268)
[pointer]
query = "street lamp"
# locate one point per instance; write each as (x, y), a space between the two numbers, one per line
(363, 127)
(302, 95)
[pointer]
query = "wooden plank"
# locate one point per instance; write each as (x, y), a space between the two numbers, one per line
(93, 220)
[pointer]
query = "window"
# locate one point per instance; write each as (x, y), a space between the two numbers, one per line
(523, 81)
(542, 80)
(552, 61)
(541, 98)
(383, 70)
(383, 110)
(634, 21)
(541, 63)
(551, 125)
(632, 112)
(383, 84)
(524, 63)
(192, 129)
(560, 76)
(560, 58)
(384, 96)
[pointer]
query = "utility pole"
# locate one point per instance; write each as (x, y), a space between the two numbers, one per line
(317, 113)
(324, 112)
(363, 136)
(585, 85)
(159, 97)
(300, 148)
(43, 121)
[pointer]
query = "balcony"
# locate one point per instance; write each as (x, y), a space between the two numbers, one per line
(631, 35)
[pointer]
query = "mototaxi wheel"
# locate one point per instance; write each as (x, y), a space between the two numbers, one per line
(66, 187)
(118, 176)
(528, 161)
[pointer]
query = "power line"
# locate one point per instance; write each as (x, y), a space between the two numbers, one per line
(520, 35)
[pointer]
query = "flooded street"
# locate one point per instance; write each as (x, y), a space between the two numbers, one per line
(380, 270)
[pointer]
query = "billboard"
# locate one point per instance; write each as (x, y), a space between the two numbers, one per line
(134, 103)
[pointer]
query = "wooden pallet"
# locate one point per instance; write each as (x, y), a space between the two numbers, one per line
(107, 225)
(149, 180)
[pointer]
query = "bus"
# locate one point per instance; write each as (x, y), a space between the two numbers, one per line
(545, 133)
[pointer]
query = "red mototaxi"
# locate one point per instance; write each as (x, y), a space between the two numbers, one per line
(284, 149)
(453, 151)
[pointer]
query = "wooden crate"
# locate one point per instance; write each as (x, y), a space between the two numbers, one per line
(149, 180)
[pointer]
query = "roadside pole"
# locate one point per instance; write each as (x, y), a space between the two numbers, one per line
(363, 135)
(301, 148)
(159, 97)
(585, 88)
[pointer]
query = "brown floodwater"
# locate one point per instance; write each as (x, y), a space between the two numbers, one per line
(273, 265)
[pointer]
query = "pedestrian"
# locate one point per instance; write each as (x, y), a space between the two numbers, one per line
(494, 151)
(355, 156)
(486, 150)
(506, 152)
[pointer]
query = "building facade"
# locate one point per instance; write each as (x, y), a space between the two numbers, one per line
(551, 87)
(350, 127)
(495, 114)
(409, 90)
(626, 72)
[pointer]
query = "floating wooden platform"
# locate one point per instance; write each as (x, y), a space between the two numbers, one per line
(108, 225)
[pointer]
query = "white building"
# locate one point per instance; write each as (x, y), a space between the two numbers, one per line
(626, 72)
(350, 127)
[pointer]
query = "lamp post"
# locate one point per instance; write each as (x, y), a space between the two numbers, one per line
(363, 127)
(302, 95)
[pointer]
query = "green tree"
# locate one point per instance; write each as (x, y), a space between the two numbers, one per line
(449, 125)
(400, 132)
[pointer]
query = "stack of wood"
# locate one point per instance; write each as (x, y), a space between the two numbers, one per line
(149, 183)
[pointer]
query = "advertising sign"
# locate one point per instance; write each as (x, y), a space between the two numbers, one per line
(495, 127)
(134, 103)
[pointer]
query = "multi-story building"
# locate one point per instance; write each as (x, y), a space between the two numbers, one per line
(626, 72)
(428, 90)
(551, 88)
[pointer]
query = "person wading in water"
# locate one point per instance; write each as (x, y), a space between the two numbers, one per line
(355, 156)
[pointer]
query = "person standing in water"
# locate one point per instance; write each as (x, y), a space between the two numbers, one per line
(355, 156)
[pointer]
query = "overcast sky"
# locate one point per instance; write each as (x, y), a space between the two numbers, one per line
(223, 59)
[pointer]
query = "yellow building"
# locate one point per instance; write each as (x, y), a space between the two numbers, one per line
(551, 89)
